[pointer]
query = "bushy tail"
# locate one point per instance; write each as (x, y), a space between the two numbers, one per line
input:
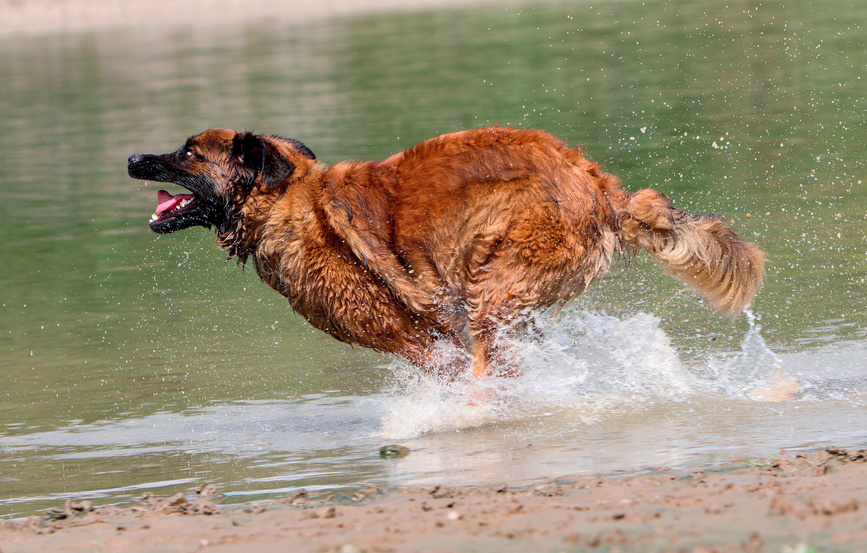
(698, 250)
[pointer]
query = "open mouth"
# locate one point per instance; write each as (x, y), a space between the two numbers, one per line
(175, 212)
(169, 206)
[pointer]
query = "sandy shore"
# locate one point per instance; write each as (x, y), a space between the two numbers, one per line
(33, 17)
(790, 504)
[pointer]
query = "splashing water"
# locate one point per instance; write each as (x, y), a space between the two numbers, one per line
(756, 372)
(587, 366)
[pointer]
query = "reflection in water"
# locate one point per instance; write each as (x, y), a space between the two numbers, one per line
(130, 361)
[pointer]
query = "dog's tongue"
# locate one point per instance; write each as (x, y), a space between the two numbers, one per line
(167, 202)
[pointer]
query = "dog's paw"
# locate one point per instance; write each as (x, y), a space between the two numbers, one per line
(780, 387)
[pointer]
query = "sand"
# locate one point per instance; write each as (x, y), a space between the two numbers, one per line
(802, 503)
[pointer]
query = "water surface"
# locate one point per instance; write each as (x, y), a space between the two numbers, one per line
(130, 361)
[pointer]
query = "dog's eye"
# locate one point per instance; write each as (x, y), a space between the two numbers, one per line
(189, 153)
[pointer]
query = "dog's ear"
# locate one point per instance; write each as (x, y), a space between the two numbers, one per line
(253, 153)
(302, 149)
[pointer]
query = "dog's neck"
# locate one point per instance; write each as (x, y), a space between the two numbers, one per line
(241, 231)
(232, 237)
(240, 235)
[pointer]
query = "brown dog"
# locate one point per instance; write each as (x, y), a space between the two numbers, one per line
(458, 238)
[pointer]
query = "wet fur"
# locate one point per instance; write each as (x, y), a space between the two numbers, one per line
(457, 238)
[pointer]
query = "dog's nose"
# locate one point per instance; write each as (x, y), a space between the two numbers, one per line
(135, 158)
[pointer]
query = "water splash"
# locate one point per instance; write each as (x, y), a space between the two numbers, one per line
(756, 360)
(756, 372)
(587, 366)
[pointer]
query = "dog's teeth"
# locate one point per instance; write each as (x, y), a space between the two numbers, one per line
(154, 217)
(184, 203)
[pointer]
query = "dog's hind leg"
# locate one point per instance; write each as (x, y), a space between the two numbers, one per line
(483, 356)
(517, 274)
(490, 336)
(480, 362)
(490, 345)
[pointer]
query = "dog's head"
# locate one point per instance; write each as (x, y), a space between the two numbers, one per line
(229, 174)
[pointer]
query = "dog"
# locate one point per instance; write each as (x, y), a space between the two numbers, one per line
(459, 238)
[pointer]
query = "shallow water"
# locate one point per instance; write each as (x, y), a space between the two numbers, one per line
(132, 362)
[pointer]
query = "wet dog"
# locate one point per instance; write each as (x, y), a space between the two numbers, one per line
(459, 238)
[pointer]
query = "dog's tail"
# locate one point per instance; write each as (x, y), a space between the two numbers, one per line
(699, 250)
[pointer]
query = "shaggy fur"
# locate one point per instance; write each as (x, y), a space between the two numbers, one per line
(456, 238)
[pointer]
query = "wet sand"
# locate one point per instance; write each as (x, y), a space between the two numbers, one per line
(802, 503)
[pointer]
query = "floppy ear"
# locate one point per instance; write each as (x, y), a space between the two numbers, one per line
(254, 154)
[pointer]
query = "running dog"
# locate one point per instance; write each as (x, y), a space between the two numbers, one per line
(459, 238)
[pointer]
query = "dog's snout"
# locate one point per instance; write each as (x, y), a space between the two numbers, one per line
(140, 166)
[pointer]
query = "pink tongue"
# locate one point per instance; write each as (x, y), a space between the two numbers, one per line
(167, 202)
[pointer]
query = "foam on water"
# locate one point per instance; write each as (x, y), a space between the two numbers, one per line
(587, 366)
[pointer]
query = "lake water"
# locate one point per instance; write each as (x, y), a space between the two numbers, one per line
(133, 362)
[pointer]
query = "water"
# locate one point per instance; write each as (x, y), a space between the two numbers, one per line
(131, 362)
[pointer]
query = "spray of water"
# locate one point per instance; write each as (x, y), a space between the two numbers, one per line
(586, 366)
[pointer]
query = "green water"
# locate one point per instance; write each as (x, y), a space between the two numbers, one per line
(755, 110)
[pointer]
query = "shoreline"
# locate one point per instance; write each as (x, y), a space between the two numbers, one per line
(43, 17)
(787, 504)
